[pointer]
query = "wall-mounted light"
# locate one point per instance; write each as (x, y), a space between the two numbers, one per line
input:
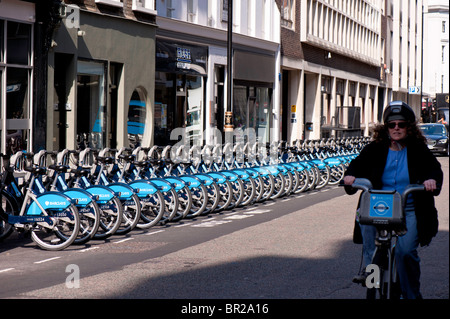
(81, 33)
(327, 55)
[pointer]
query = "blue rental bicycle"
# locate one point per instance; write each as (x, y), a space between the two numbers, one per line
(383, 209)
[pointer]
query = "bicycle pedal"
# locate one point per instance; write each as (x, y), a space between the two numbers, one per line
(360, 279)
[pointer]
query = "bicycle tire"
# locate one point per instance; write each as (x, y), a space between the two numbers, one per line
(9, 206)
(279, 186)
(152, 210)
(184, 204)
(131, 215)
(237, 193)
(89, 223)
(225, 195)
(268, 183)
(171, 206)
(212, 191)
(199, 200)
(324, 177)
(61, 234)
(110, 219)
(249, 191)
(302, 185)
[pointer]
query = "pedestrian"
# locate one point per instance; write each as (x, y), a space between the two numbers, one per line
(398, 156)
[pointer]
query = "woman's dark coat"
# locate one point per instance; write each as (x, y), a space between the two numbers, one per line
(422, 165)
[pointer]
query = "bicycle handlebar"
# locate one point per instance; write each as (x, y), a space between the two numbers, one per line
(365, 185)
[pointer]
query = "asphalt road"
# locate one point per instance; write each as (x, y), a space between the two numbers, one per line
(299, 247)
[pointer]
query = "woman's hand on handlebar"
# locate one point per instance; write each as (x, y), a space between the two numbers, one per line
(348, 180)
(430, 185)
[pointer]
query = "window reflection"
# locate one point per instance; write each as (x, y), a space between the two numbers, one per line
(17, 93)
(18, 43)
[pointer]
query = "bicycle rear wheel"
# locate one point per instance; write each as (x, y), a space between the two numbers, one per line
(131, 214)
(59, 234)
(110, 219)
(152, 210)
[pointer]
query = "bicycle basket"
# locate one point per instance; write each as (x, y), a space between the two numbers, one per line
(381, 208)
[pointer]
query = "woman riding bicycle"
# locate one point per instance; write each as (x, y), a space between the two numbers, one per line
(399, 156)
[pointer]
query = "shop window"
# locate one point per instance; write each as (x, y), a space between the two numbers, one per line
(18, 43)
(136, 119)
(91, 117)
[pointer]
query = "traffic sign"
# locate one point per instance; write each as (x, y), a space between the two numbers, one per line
(414, 90)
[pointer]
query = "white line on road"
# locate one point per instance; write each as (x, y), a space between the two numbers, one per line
(237, 216)
(88, 249)
(155, 232)
(258, 211)
(123, 240)
(46, 260)
(7, 269)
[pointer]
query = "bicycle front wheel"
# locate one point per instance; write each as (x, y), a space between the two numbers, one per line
(10, 207)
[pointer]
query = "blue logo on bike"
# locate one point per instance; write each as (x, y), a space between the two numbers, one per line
(381, 205)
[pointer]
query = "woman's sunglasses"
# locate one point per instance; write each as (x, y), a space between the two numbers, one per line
(399, 124)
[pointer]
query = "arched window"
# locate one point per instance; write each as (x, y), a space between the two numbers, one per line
(136, 119)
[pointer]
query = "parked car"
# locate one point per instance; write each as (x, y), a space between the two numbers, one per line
(437, 137)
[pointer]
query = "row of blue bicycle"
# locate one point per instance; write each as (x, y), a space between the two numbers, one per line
(74, 196)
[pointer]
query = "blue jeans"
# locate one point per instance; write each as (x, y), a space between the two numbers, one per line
(406, 256)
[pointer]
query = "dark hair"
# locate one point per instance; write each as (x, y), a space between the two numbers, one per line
(381, 133)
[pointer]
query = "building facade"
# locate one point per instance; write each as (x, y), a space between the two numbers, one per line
(435, 48)
(113, 73)
(101, 75)
(191, 69)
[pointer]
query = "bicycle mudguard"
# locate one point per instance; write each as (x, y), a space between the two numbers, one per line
(205, 179)
(252, 172)
(297, 166)
(143, 188)
(320, 164)
(83, 198)
(229, 175)
(272, 169)
(48, 200)
(332, 161)
(123, 190)
(102, 193)
(244, 175)
(175, 182)
(191, 181)
(162, 185)
(218, 178)
(261, 170)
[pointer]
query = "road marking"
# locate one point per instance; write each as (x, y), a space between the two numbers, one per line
(7, 269)
(258, 211)
(237, 216)
(212, 223)
(46, 260)
(88, 249)
(182, 225)
(155, 232)
(123, 240)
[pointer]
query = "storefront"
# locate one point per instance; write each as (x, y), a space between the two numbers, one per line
(16, 75)
(179, 91)
(101, 87)
(253, 84)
